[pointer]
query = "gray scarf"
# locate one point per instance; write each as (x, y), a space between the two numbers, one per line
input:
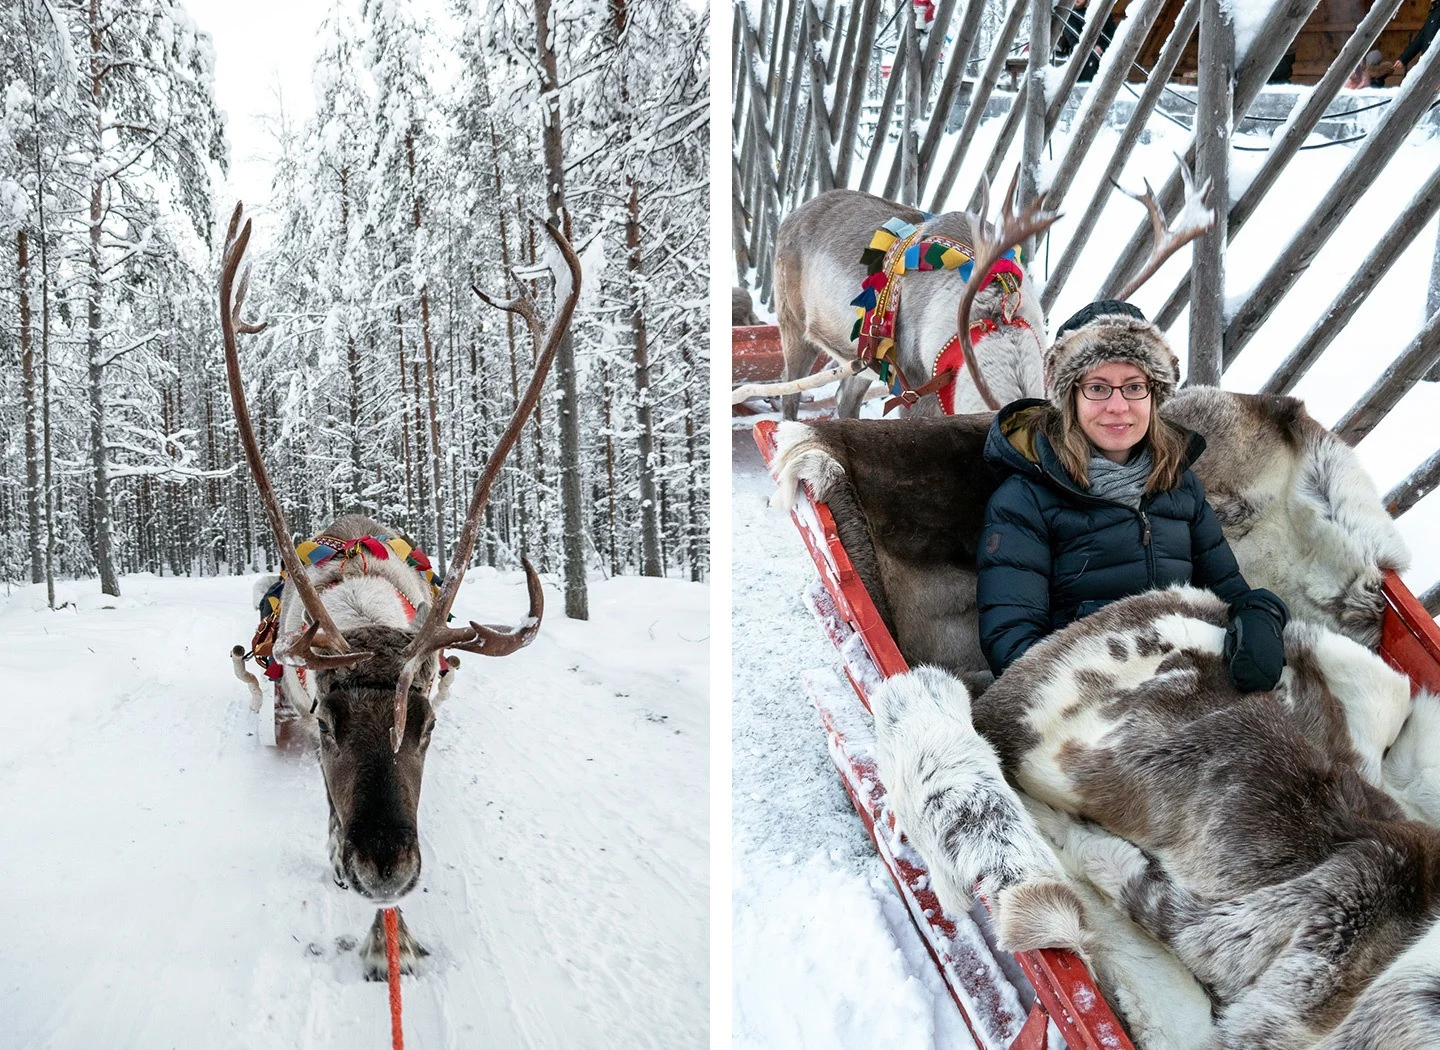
(1122, 482)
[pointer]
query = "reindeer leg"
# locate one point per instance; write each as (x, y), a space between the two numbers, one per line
(852, 394)
(800, 358)
(372, 952)
(1277, 956)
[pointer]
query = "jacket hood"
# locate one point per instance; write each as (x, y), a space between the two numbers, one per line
(1015, 445)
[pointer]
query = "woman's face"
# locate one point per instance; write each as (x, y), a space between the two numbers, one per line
(1114, 426)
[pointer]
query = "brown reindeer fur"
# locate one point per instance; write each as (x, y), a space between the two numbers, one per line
(1269, 858)
(742, 308)
(1247, 832)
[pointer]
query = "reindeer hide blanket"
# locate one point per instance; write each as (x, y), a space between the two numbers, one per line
(1052, 863)
(909, 495)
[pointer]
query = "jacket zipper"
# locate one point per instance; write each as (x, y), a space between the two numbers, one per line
(1149, 550)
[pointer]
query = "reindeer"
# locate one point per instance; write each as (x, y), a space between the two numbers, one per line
(818, 271)
(370, 632)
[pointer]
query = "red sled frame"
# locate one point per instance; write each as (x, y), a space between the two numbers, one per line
(1066, 993)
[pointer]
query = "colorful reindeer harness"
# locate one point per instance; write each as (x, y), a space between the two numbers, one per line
(899, 247)
(317, 552)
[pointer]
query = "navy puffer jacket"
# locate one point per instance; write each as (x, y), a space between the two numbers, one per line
(1051, 552)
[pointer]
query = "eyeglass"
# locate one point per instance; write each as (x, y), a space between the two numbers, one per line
(1102, 391)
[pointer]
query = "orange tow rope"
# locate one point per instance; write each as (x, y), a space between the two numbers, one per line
(392, 961)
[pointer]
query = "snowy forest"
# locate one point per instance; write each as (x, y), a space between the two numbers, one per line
(382, 379)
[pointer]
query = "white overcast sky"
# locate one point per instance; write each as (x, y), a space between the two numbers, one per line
(263, 53)
(264, 50)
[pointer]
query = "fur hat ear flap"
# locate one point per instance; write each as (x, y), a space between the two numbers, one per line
(1109, 331)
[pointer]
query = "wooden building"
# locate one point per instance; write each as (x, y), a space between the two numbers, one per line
(1315, 46)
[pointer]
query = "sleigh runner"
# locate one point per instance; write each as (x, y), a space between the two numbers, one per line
(1027, 1001)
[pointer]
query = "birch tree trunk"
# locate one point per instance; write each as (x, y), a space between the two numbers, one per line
(352, 356)
(410, 518)
(607, 400)
(577, 604)
(437, 490)
(692, 471)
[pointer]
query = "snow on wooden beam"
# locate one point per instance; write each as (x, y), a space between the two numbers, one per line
(869, 14)
(1417, 486)
(949, 86)
(1394, 383)
(1214, 104)
(1269, 44)
(1333, 320)
(1036, 109)
(820, 132)
(1115, 68)
(887, 108)
(1297, 129)
(1185, 24)
(1017, 112)
(979, 97)
(1414, 97)
(904, 178)
(1431, 600)
(935, 43)
(1097, 14)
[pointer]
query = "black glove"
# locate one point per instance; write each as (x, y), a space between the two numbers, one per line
(1254, 641)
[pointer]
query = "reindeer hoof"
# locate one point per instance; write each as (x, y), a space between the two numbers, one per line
(372, 953)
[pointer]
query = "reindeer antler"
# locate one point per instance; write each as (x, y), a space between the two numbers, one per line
(1195, 218)
(1033, 220)
(295, 653)
(477, 638)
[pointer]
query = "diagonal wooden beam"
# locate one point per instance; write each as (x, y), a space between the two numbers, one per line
(1333, 319)
(1394, 383)
(1308, 113)
(1417, 486)
(1175, 44)
(984, 87)
(1283, 22)
(1415, 96)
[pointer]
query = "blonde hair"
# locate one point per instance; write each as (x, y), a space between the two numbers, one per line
(1167, 445)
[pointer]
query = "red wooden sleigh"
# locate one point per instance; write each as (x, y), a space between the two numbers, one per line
(999, 1011)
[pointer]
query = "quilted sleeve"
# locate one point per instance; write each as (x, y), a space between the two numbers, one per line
(1013, 566)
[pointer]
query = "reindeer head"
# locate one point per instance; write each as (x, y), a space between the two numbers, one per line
(373, 680)
(374, 791)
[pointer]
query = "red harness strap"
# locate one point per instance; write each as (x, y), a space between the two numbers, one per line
(952, 359)
(948, 365)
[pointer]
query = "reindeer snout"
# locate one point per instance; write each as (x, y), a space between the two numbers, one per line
(383, 863)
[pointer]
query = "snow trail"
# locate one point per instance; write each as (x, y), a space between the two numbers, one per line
(169, 875)
(824, 951)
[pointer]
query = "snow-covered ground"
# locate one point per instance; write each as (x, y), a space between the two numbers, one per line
(166, 876)
(824, 955)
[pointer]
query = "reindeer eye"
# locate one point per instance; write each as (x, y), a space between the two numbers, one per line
(325, 729)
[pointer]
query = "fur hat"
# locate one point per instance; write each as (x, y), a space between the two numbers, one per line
(1109, 331)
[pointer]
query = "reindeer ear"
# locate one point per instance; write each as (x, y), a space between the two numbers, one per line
(422, 613)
